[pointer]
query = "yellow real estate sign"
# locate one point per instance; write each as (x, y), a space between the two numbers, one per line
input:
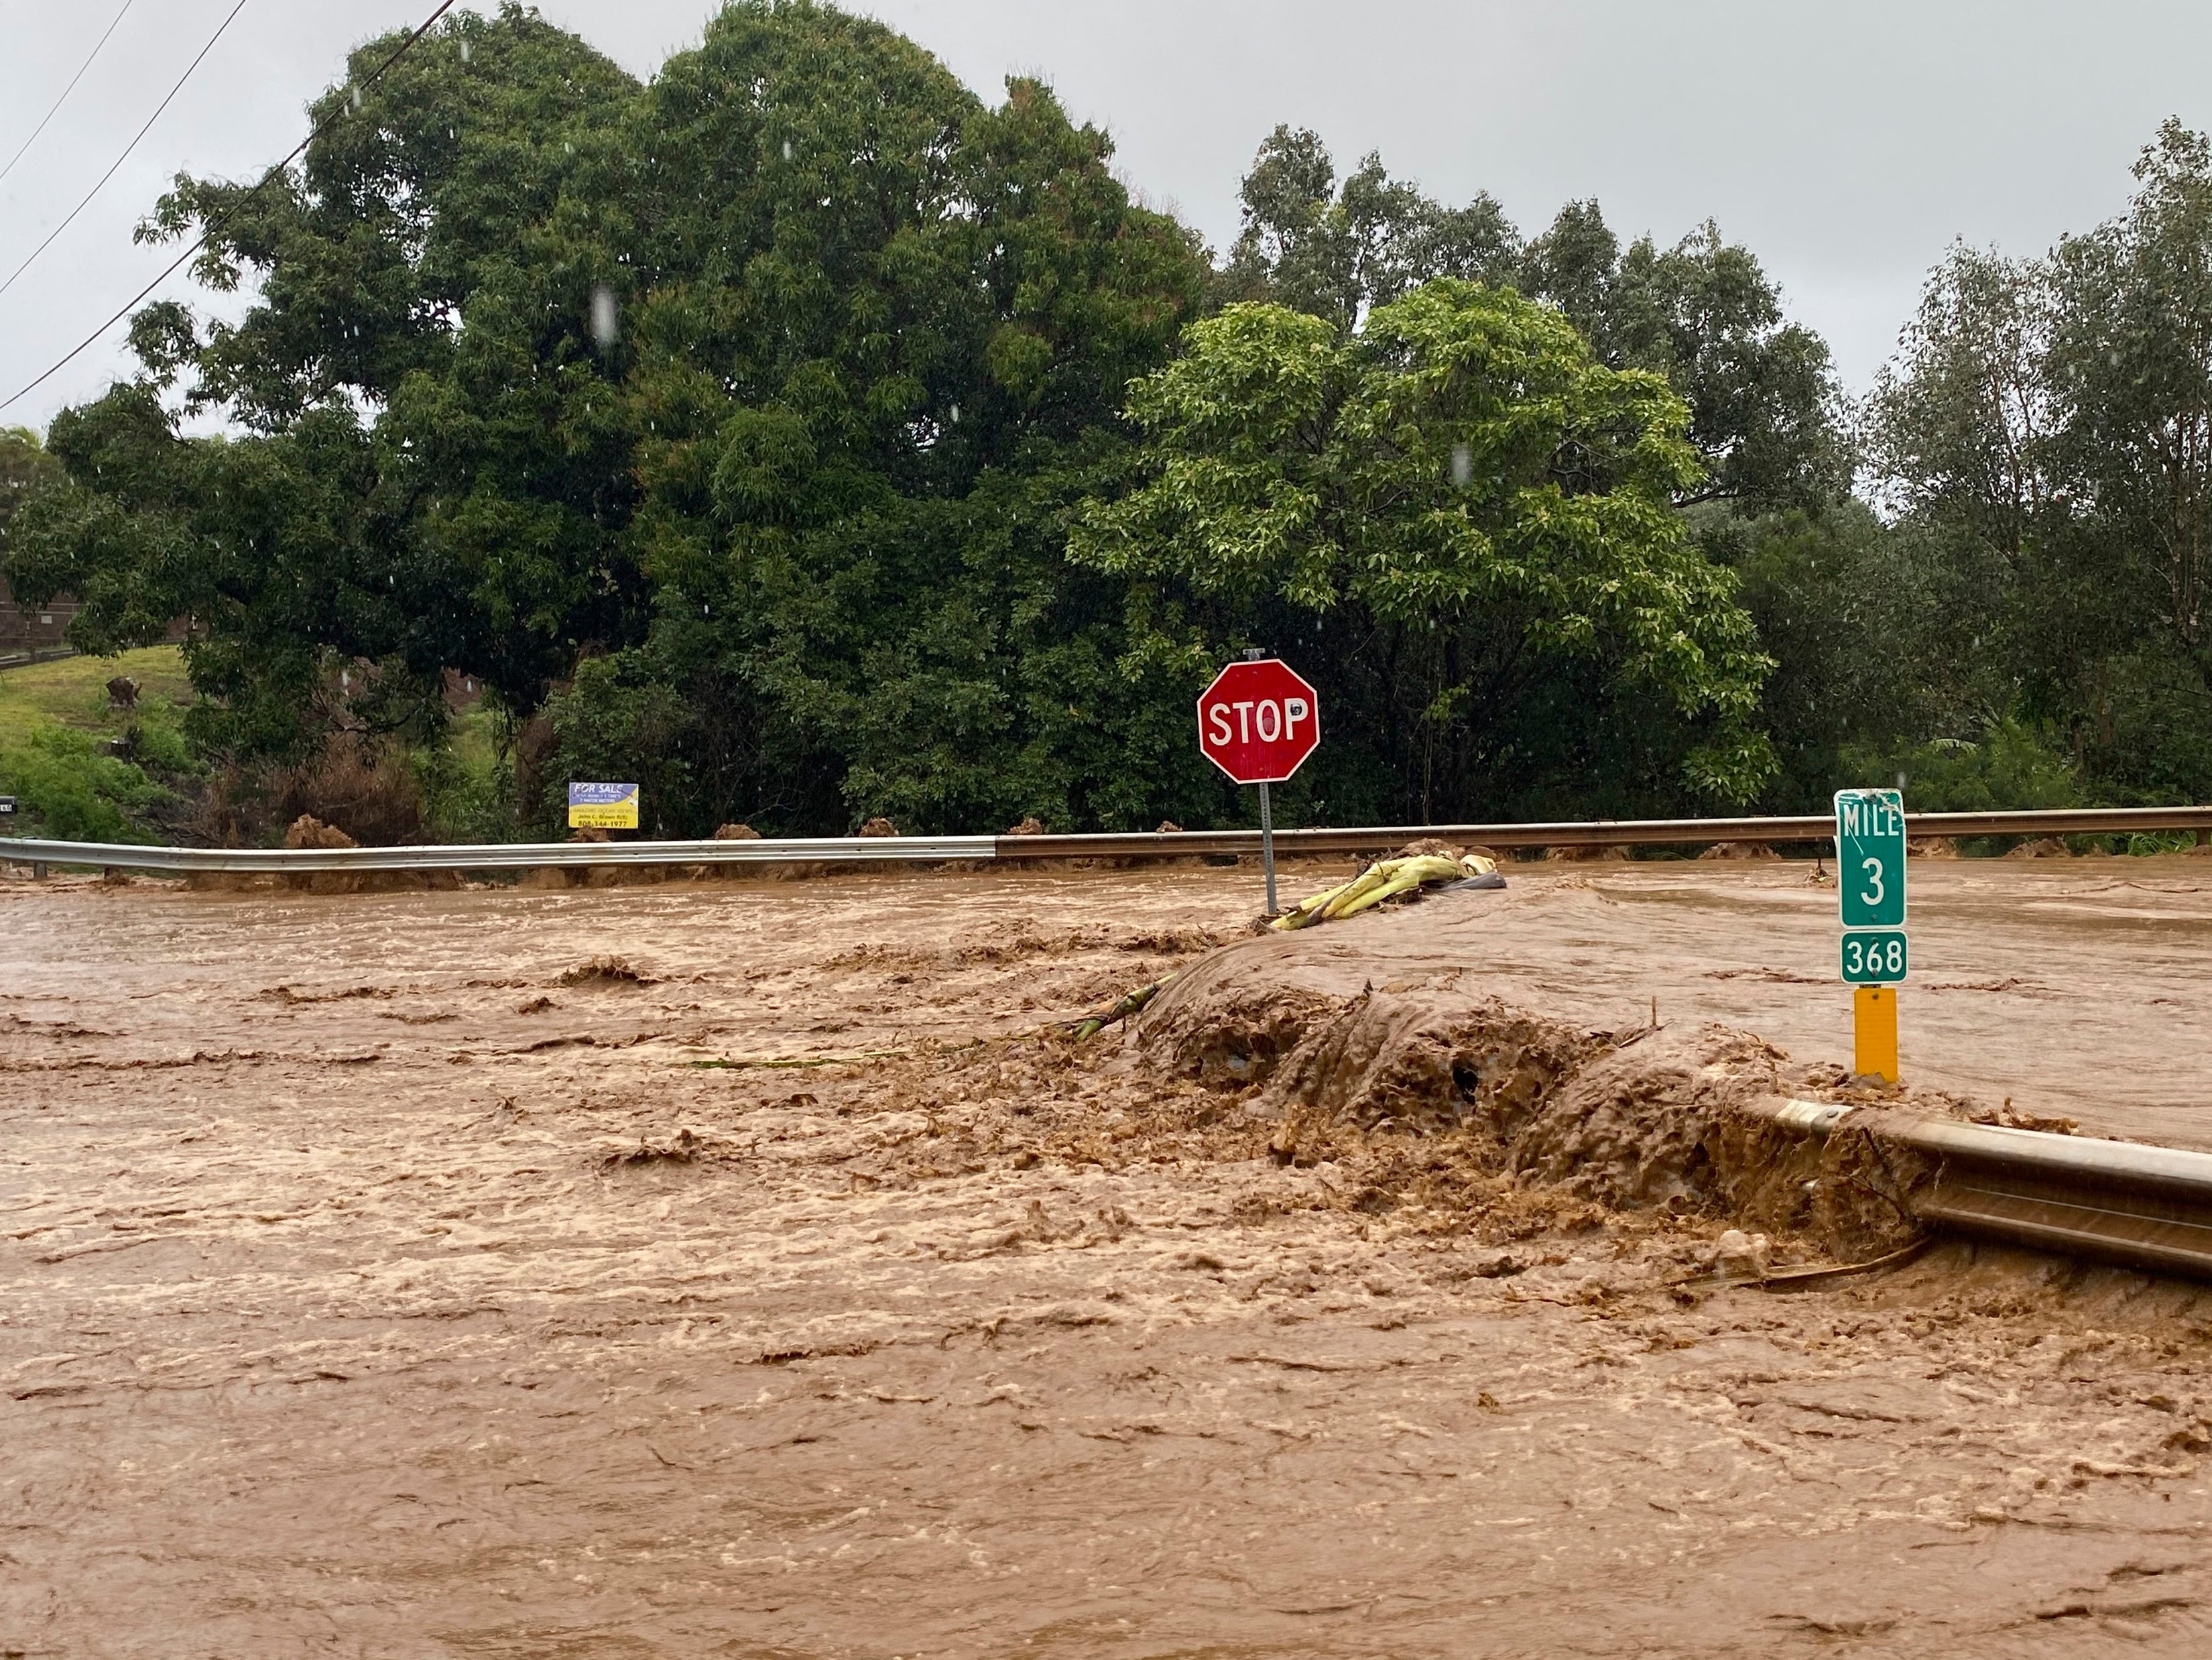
(602, 806)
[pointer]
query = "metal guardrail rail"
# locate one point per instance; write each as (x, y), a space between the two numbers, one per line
(495, 855)
(2124, 1202)
(1603, 832)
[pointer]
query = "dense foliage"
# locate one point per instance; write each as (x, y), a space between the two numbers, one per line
(2044, 440)
(809, 439)
(1458, 516)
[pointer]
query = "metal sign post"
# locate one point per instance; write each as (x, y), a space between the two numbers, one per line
(1875, 955)
(1258, 722)
(1268, 846)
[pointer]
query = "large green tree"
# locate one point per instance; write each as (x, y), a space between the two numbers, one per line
(2045, 437)
(882, 347)
(1764, 407)
(23, 463)
(430, 465)
(766, 388)
(1464, 524)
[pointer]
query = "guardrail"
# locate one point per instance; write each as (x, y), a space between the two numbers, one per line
(932, 849)
(2149, 1207)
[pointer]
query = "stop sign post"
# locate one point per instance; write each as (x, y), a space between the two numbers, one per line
(1258, 722)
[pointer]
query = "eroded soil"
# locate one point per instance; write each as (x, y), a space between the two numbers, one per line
(451, 1274)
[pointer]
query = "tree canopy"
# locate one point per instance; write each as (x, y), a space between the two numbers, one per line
(1763, 403)
(2045, 436)
(809, 438)
(1450, 509)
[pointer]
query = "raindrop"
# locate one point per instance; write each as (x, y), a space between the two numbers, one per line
(1463, 466)
(465, 53)
(356, 97)
(787, 149)
(606, 322)
(954, 413)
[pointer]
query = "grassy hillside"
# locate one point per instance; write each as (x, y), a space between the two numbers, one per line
(84, 771)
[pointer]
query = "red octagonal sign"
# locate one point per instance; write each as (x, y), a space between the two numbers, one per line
(1258, 721)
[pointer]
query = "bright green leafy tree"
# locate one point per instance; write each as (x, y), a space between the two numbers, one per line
(1462, 527)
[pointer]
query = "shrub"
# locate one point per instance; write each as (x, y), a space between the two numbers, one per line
(67, 785)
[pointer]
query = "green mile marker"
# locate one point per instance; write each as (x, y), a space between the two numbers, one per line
(1875, 957)
(1870, 858)
(1873, 954)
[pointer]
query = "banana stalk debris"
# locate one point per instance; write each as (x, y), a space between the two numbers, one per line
(1091, 1025)
(1385, 880)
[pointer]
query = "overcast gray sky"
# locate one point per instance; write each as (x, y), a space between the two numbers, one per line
(1846, 144)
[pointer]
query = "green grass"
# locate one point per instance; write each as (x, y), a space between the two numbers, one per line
(72, 691)
(57, 757)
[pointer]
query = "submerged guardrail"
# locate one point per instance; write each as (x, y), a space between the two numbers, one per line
(2147, 1207)
(1150, 844)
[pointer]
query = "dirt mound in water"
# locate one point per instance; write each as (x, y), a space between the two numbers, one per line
(605, 972)
(1341, 1061)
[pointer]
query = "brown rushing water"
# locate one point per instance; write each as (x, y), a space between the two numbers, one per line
(366, 1290)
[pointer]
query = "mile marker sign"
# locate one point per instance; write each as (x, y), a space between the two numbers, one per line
(1870, 892)
(1870, 858)
(1258, 721)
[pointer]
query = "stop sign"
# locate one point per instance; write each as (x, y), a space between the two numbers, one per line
(1258, 721)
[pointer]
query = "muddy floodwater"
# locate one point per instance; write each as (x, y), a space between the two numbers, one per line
(748, 1268)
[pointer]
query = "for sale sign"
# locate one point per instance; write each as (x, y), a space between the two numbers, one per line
(602, 806)
(1259, 721)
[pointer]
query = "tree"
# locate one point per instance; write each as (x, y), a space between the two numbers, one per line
(2046, 434)
(1761, 393)
(1337, 254)
(2129, 364)
(431, 468)
(869, 343)
(928, 310)
(23, 463)
(1960, 423)
(1458, 511)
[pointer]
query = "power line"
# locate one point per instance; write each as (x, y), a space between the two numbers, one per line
(66, 91)
(230, 213)
(127, 149)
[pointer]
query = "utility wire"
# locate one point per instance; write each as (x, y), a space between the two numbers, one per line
(224, 218)
(87, 200)
(66, 91)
